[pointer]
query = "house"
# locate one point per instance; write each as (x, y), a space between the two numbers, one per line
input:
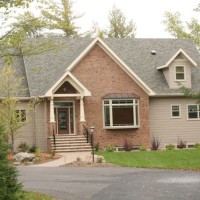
(126, 88)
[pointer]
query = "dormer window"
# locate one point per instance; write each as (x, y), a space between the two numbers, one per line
(179, 73)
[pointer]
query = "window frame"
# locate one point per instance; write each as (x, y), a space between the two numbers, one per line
(22, 119)
(176, 117)
(175, 72)
(198, 111)
(110, 105)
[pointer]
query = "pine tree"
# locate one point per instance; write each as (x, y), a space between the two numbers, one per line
(10, 189)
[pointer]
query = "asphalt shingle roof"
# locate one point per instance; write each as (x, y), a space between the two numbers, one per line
(43, 70)
(136, 53)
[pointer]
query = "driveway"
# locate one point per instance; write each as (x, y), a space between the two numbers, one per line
(70, 183)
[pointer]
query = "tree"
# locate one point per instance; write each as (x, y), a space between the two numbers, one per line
(59, 16)
(190, 94)
(10, 188)
(14, 3)
(119, 26)
(28, 26)
(178, 29)
(10, 88)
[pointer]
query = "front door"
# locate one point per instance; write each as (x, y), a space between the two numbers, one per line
(63, 120)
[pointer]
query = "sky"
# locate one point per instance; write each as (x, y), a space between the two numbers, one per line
(147, 14)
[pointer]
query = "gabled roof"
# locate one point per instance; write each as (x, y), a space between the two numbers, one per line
(119, 61)
(44, 70)
(68, 76)
(174, 56)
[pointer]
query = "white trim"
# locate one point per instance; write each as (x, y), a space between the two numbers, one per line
(110, 105)
(179, 80)
(68, 76)
(100, 42)
(176, 117)
(66, 95)
(70, 101)
(175, 55)
(169, 95)
(198, 115)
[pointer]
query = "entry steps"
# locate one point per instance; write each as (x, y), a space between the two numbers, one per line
(70, 143)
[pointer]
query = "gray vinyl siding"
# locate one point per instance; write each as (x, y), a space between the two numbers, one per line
(41, 127)
(26, 133)
(172, 79)
(33, 132)
(168, 129)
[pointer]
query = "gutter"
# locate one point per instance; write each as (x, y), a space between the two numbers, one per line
(168, 95)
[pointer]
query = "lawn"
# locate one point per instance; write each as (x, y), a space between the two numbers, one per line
(37, 196)
(174, 159)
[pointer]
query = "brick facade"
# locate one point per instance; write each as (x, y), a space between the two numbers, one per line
(101, 75)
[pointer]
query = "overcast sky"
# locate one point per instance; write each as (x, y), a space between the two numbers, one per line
(147, 14)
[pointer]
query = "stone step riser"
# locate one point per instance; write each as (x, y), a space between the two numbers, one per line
(70, 143)
(72, 150)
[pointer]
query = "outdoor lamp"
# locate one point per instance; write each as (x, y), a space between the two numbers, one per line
(92, 130)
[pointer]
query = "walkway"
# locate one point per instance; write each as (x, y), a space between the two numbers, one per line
(66, 158)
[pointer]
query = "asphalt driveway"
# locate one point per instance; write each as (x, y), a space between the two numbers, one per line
(78, 183)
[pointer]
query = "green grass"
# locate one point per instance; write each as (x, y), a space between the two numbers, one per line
(174, 159)
(37, 196)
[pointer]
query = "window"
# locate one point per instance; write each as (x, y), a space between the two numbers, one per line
(21, 115)
(122, 113)
(175, 111)
(193, 111)
(180, 73)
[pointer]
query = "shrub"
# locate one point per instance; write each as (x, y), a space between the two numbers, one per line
(197, 146)
(181, 144)
(155, 143)
(37, 152)
(96, 146)
(143, 148)
(9, 186)
(23, 147)
(99, 159)
(33, 149)
(109, 148)
(78, 159)
(170, 147)
(127, 145)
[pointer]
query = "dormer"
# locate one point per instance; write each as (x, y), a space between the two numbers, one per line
(177, 70)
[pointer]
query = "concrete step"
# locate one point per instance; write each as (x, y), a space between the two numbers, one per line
(70, 143)
(72, 150)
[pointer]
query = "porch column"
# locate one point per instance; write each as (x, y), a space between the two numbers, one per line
(52, 116)
(82, 112)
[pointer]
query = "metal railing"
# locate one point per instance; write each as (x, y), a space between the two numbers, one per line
(54, 139)
(87, 135)
(90, 139)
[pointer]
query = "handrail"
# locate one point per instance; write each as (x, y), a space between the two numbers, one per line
(54, 139)
(90, 139)
(87, 134)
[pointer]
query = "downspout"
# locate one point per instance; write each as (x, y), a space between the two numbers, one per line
(35, 124)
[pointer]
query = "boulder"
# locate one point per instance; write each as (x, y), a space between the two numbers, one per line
(23, 157)
(97, 159)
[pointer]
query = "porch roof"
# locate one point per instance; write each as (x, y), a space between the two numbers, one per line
(120, 96)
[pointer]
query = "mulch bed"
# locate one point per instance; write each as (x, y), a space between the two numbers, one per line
(46, 157)
(89, 164)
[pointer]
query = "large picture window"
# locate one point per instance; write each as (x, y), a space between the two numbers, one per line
(194, 111)
(121, 113)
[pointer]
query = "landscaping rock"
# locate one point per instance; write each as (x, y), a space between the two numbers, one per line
(97, 159)
(23, 157)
